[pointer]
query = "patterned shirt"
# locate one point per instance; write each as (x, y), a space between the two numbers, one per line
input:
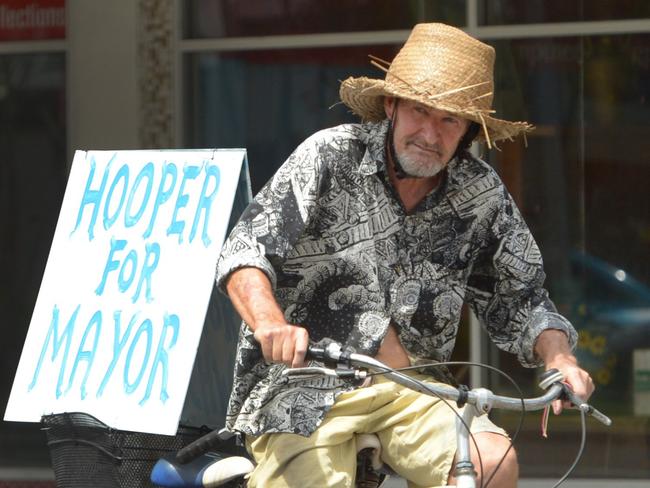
(346, 260)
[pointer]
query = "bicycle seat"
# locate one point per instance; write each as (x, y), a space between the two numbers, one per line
(217, 468)
(209, 469)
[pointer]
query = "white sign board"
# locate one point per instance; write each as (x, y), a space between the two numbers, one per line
(120, 310)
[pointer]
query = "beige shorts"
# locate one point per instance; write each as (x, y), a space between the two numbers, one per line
(417, 433)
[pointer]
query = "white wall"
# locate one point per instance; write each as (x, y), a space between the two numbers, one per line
(102, 59)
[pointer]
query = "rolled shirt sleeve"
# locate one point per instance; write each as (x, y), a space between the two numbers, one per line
(276, 218)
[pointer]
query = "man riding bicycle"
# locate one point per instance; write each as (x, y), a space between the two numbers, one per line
(373, 235)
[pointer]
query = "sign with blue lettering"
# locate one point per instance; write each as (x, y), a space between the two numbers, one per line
(121, 307)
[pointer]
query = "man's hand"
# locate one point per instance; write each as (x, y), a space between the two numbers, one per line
(283, 343)
(577, 378)
(553, 348)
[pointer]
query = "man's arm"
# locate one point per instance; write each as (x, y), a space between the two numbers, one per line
(507, 293)
(251, 294)
(552, 347)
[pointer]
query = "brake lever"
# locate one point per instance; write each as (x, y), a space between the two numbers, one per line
(346, 373)
(308, 370)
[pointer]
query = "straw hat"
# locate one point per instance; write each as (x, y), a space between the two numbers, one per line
(441, 67)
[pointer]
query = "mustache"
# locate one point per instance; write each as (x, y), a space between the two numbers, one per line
(435, 147)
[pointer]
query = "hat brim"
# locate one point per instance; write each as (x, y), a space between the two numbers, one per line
(365, 97)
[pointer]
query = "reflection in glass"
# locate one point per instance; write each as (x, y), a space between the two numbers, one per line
(502, 12)
(33, 174)
(270, 101)
(236, 18)
(582, 186)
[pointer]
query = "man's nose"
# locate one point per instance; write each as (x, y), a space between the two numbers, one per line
(431, 131)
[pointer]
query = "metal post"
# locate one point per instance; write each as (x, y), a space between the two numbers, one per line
(464, 471)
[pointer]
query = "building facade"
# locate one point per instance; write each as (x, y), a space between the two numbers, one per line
(264, 74)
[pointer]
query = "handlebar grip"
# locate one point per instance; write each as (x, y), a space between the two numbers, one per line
(328, 353)
(200, 446)
(316, 352)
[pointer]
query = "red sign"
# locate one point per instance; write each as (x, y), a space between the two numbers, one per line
(31, 20)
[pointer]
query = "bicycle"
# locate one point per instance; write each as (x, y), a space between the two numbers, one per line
(192, 467)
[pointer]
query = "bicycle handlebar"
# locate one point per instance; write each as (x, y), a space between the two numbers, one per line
(483, 399)
(202, 445)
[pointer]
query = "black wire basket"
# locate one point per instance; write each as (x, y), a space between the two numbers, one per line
(86, 453)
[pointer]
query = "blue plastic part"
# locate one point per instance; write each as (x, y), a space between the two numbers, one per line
(169, 473)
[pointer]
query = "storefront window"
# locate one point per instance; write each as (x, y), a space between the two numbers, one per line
(502, 12)
(582, 186)
(234, 18)
(33, 175)
(269, 101)
(580, 178)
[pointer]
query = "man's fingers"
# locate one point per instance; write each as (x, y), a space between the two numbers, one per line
(265, 341)
(288, 347)
(576, 378)
(268, 340)
(285, 344)
(302, 342)
(581, 384)
(278, 348)
(589, 387)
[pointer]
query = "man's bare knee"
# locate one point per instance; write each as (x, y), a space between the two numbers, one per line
(496, 454)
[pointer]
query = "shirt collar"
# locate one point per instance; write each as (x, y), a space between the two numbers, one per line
(374, 158)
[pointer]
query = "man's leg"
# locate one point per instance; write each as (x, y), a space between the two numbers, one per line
(294, 461)
(418, 437)
(328, 457)
(492, 447)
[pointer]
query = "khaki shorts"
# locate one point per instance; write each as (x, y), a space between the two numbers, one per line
(417, 433)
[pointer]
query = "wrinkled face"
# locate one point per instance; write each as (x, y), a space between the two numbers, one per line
(425, 138)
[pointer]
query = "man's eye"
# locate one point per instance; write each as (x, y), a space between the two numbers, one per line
(451, 120)
(421, 110)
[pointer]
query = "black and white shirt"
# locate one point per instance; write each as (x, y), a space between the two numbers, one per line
(346, 260)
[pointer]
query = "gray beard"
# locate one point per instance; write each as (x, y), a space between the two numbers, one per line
(416, 169)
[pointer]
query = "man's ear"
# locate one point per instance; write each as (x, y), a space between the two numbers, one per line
(389, 106)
